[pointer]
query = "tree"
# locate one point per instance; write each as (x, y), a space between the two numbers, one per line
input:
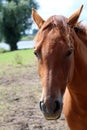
(16, 18)
(35, 31)
(0, 20)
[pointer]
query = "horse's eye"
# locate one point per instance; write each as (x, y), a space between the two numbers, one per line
(36, 54)
(69, 52)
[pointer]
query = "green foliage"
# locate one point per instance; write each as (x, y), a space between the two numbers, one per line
(0, 5)
(0, 20)
(15, 19)
(16, 1)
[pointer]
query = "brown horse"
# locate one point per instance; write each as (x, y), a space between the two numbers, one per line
(61, 50)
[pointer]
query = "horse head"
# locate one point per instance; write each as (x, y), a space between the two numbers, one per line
(54, 48)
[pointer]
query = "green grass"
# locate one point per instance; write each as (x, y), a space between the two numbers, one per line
(17, 57)
(27, 38)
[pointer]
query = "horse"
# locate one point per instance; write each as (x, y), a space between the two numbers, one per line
(61, 51)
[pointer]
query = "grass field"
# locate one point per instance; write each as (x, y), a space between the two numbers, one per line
(20, 92)
(27, 38)
(23, 56)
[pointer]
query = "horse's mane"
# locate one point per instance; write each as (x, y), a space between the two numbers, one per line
(80, 28)
(81, 31)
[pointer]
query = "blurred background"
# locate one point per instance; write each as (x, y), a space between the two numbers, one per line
(16, 25)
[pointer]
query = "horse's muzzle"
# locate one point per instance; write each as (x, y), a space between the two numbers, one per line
(51, 109)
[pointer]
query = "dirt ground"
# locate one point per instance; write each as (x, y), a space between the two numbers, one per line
(20, 92)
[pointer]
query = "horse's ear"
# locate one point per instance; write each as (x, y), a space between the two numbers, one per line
(73, 19)
(37, 18)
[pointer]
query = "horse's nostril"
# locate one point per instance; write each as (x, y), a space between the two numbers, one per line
(57, 106)
(52, 107)
(42, 106)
